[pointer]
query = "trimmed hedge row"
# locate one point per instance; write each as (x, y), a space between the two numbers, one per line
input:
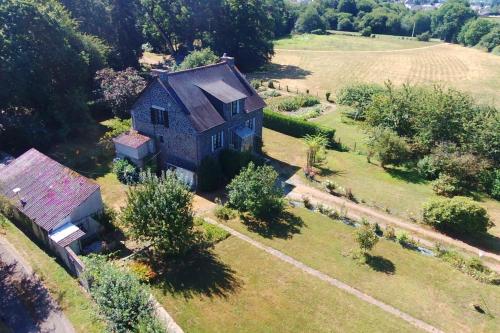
(295, 126)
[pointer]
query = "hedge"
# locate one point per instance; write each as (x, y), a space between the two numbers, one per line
(294, 126)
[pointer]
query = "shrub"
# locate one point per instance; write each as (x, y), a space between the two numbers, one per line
(231, 161)
(471, 266)
(294, 126)
(327, 95)
(287, 105)
(390, 233)
(209, 174)
(330, 186)
(366, 237)
(495, 187)
(255, 190)
(447, 186)
(223, 212)
(307, 202)
(311, 114)
(359, 96)
(270, 84)
(459, 215)
(388, 146)
(307, 100)
(142, 271)
(406, 241)
(121, 298)
(255, 84)
(424, 37)
(366, 32)
(125, 171)
(427, 168)
(213, 234)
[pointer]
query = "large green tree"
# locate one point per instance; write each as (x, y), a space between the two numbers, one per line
(449, 19)
(46, 66)
(309, 20)
(159, 211)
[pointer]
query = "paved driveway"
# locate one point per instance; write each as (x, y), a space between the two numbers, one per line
(25, 304)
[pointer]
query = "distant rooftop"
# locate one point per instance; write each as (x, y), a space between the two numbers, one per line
(131, 139)
(49, 191)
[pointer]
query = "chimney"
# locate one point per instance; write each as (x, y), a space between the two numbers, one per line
(228, 60)
(161, 73)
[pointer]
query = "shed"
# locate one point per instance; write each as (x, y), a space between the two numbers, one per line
(134, 146)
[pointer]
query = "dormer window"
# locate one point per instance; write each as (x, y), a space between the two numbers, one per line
(235, 107)
(159, 116)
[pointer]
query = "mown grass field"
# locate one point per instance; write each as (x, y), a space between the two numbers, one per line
(328, 63)
(425, 287)
(243, 289)
(75, 304)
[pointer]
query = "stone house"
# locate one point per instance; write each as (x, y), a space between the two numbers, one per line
(58, 203)
(196, 113)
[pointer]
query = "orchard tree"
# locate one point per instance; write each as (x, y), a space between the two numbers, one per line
(159, 211)
(255, 190)
(119, 89)
(366, 238)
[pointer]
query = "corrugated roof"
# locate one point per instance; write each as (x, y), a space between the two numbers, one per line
(185, 87)
(50, 190)
(132, 139)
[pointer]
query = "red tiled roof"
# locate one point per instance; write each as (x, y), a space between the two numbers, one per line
(132, 139)
(50, 190)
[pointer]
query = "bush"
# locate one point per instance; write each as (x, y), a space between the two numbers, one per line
(388, 146)
(142, 271)
(390, 233)
(121, 298)
(288, 105)
(213, 234)
(327, 95)
(307, 100)
(471, 266)
(459, 215)
(366, 237)
(366, 32)
(427, 168)
(359, 96)
(255, 190)
(209, 174)
(223, 212)
(255, 84)
(198, 58)
(447, 186)
(407, 241)
(294, 126)
(491, 39)
(495, 187)
(232, 161)
(270, 84)
(125, 171)
(424, 37)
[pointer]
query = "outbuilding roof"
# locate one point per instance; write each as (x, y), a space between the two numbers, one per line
(223, 81)
(132, 139)
(47, 191)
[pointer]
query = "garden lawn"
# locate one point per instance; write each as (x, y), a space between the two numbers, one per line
(399, 191)
(424, 287)
(243, 289)
(75, 304)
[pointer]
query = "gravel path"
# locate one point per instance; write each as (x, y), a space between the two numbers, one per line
(357, 211)
(25, 304)
(334, 282)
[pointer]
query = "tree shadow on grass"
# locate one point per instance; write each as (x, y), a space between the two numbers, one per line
(199, 272)
(275, 71)
(283, 227)
(380, 264)
(409, 176)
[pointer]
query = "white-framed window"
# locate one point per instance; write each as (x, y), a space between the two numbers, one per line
(217, 140)
(250, 123)
(159, 116)
(234, 107)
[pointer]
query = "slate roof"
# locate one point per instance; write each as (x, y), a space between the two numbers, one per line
(223, 81)
(50, 190)
(131, 139)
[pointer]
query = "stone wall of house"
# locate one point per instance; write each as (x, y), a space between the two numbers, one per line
(179, 139)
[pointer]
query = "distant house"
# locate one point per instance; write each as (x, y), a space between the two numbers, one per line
(195, 113)
(58, 202)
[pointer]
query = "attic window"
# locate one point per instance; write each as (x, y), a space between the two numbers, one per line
(234, 107)
(159, 116)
